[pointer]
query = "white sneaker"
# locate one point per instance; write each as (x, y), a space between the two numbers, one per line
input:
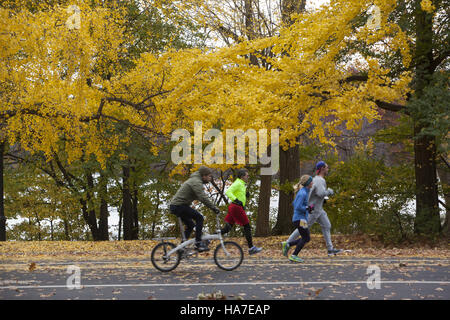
(254, 250)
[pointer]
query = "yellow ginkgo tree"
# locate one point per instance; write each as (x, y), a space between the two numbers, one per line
(57, 62)
(309, 87)
(308, 73)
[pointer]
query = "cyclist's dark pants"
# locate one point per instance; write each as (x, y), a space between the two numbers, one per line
(187, 215)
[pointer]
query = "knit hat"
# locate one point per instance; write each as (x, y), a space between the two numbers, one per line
(241, 173)
(320, 165)
(204, 171)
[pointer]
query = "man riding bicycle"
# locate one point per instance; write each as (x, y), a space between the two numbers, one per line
(180, 205)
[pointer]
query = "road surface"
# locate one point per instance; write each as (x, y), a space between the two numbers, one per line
(338, 278)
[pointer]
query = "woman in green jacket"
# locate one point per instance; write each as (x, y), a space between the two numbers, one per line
(237, 193)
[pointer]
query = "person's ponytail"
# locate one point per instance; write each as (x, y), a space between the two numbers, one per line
(305, 180)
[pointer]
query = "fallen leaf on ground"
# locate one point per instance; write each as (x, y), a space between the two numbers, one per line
(47, 295)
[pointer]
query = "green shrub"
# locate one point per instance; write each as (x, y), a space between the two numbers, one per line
(371, 197)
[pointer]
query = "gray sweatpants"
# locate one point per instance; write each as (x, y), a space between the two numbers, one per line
(322, 218)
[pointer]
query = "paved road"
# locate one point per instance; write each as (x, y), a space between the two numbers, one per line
(340, 278)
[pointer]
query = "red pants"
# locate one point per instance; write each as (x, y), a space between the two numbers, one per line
(236, 214)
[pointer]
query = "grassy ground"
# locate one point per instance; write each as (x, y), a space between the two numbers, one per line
(361, 246)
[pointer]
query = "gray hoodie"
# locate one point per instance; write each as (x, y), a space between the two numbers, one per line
(190, 190)
(318, 192)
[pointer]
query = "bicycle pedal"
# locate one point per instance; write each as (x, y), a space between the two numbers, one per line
(189, 252)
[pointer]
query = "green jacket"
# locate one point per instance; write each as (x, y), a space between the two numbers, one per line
(237, 190)
(190, 190)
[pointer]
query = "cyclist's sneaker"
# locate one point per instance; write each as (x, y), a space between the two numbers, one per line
(254, 250)
(285, 248)
(296, 258)
(334, 252)
(201, 247)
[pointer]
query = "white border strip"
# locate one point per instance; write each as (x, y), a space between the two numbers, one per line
(216, 284)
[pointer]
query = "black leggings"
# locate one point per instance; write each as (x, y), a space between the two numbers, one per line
(187, 214)
(300, 243)
(247, 232)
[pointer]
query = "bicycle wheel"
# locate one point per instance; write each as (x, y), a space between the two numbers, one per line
(159, 257)
(229, 256)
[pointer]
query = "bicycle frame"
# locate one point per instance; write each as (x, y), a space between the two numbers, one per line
(217, 236)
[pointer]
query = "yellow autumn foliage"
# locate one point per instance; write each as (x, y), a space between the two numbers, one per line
(68, 83)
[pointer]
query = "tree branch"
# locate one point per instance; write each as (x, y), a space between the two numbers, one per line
(354, 78)
(445, 161)
(438, 60)
(391, 106)
(443, 204)
(395, 107)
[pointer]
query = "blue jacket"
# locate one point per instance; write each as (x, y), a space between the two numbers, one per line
(300, 204)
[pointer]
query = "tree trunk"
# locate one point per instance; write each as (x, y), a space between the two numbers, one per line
(2, 206)
(427, 205)
(155, 213)
(262, 220)
(135, 230)
(90, 219)
(103, 220)
(153, 229)
(30, 223)
(66, 229)
(39, 227)
(427, 219)
(289, 159)
(51, 230)
(289, 175)
(120, 223)
(265, 192)
(91, 207)
(127, 210)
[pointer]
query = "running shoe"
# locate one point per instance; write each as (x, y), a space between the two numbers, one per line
(296, 258)
(254, 250)
(285, 248)
(334, 252)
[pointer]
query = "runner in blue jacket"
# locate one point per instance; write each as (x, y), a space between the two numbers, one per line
(300, 219)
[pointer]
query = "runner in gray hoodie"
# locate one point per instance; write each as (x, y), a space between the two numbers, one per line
(316, 198)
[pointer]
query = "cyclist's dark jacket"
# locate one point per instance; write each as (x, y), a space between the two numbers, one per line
(190, 190)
